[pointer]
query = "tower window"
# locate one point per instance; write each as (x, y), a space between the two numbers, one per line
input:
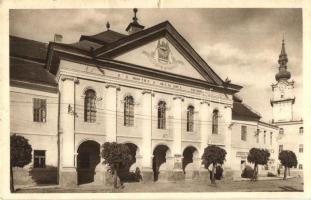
(301, 148)
(280, 148)
(264, 137)
(271, 137)
(257, 135)
(301, 130)
(281, 131)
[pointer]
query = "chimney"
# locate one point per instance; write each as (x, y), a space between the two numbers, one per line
(58, 38)
(134, 26)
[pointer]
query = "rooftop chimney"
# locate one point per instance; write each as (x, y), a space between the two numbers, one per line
(134, 26)
(58, 38)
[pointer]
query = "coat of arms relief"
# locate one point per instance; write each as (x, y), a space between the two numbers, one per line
(162, 56)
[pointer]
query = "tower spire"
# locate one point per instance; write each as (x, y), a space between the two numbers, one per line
(134, 26)
(283, 73)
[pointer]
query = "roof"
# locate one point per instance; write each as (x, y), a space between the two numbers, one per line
(240, 110)
(29, 49)
(103, 38)
(29, 71)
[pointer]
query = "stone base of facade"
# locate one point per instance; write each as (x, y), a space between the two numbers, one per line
(147, 174)
(204, 175)
(175, 175)
(29, 177)
(68, 177)
(192, 175)
(228, 174)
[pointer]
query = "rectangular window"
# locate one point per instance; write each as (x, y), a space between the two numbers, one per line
(244, 133)
(257, 135)
(271, 137)
(280, 148)
(39, 110)
(300, 166)
(264, 137)
(39, 159)
(301, 148)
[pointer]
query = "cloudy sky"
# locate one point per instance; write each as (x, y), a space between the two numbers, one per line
(242, 44)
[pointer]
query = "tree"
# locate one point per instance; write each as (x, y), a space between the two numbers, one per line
(115, 156)
(20, 154)
(258, 157)
(213, 155)
(288, 160)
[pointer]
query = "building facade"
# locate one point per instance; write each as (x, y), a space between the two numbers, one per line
(69, 99)
(247, 131)
(290, 135)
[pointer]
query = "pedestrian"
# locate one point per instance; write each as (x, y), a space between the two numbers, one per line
(138, 174)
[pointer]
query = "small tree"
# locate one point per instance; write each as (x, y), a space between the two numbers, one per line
(213, 155)
(20, 155)
(288, 159)
(116, 155)
(258, 157)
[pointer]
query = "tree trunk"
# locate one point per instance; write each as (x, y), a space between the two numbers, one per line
(115, 178)
(255, 172)
(285, 173)
(11, 180)
(288, 171)
(213, 174)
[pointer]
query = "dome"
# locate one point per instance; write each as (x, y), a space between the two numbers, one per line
(283, 74)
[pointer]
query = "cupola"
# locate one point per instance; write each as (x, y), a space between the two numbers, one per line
(134, 26)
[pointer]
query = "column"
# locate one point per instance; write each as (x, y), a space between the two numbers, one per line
(177, 173)
(146, 150)
(228, 117)
(68, 174)
(111, 113)
(204, 130)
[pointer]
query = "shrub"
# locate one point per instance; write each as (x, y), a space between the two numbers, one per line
(247, 172)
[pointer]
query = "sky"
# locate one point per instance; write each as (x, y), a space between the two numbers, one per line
(241, 44)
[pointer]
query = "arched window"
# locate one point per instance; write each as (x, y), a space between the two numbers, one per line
(161, 115)
(281, 131)
(215, 122)
(89, 106)
(190, 118)
(301, 130)
(128, 111)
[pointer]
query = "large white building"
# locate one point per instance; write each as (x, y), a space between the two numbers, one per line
(290, 135)
(147, 88)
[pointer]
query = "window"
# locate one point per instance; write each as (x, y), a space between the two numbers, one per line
(89, 106)
(190, 118)
(264, 137)
(301, 148)
(39, 159)
(301, 130)
(300, 166)
(39, 110)
(280, 148)
(243, 133)
(161, 115)
(128, 111)
(271, 137)
(215, 122)
(257, 135)
(281, 131)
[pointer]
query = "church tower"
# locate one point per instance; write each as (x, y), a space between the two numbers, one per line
(283, 99)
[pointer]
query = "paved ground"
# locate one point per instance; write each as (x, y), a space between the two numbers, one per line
(290, 185)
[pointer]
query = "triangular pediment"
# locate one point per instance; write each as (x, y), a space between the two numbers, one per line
(160, 55)
(140, 48)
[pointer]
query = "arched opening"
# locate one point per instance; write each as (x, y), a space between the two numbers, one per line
(87, 160)
(189, 161)
(159, 157)
(124, 172)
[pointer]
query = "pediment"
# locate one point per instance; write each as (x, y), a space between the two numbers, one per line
(161, 55)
